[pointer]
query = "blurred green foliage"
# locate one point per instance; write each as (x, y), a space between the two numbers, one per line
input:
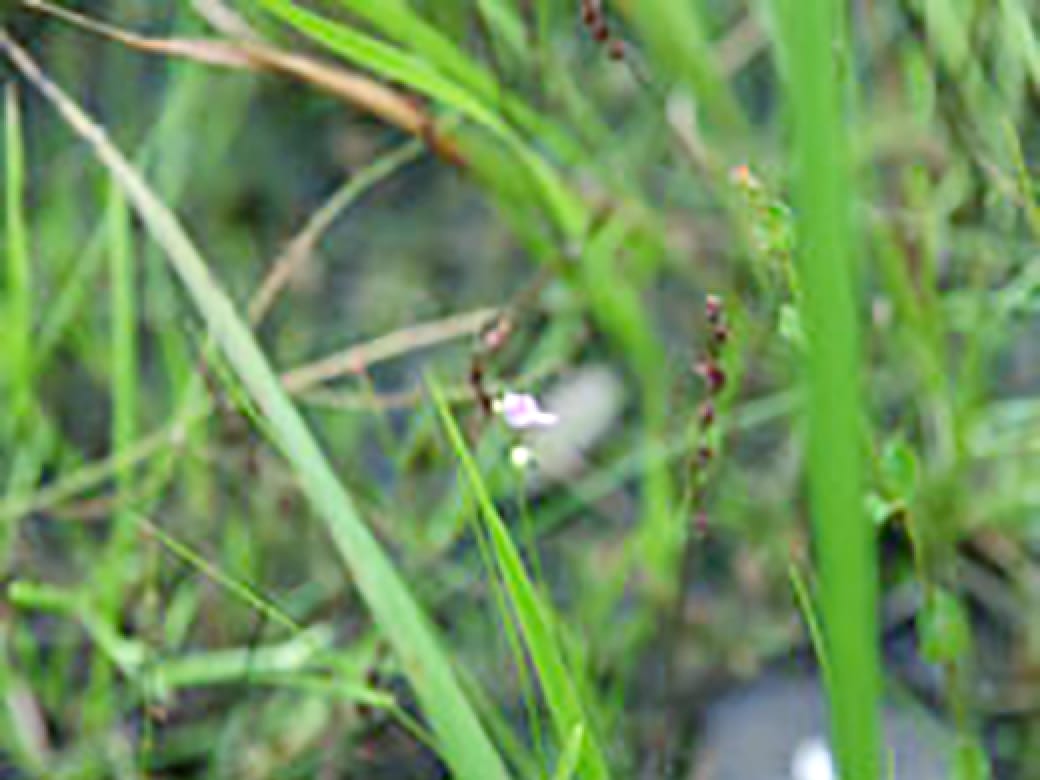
(173, 606)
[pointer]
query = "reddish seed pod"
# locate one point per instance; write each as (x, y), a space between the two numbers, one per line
(591, 12)
(704, 455)
(713, 308)
(616, 50)
(706, 414)
(720, 334)
(496, 336)
(714, 377)
(718, 380)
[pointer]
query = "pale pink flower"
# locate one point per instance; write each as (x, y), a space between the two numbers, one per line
(521, 411)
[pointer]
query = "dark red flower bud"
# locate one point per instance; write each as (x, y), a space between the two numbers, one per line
(712, 374)
(706, 414)
(497, 336)
(713, 308)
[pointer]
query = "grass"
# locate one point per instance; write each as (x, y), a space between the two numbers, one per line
(535, 622)
(829, 268)
(465, 745)
(246, 533)
(19, 272)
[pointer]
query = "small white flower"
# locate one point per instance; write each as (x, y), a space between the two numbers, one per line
(521, 411)
(812, 761)
(521, 457)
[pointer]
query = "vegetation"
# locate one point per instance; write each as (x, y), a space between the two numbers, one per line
(622, 351)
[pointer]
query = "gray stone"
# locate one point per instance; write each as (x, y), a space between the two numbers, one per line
(775, 729)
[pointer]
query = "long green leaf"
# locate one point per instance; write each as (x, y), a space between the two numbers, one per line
(827, 257)
(18, 324)
(400, 23)
(567, 766)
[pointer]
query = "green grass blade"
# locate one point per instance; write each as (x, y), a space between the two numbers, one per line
(396, 20)
(463, 741)
(1021, 33)
(16, 386)
(567, 766)
(18, 322)
(844, 537)
(807, 606)
(29, 445)
(535, 617)
(400, 23)
(115, 570)
(391, 62)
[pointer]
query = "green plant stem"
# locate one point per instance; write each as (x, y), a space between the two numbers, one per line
(18, 322)
(844, 538)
